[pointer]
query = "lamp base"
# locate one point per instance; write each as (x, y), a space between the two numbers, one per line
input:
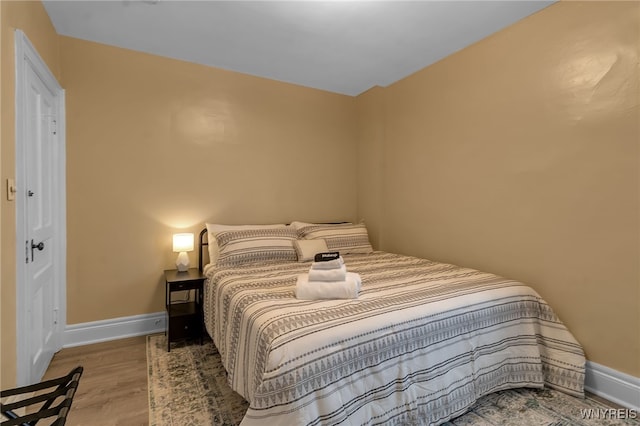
(182, 262)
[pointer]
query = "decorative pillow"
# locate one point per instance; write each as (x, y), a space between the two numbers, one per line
(238, 247)
(214, 228)
(344, 237)
(307, 249)
(298, 225)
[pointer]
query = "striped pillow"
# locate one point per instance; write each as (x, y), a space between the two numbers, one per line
(344, 237)
(237, 247)
(214, 229)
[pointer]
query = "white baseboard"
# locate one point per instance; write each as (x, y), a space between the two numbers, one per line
(112, 329)
(613, 385)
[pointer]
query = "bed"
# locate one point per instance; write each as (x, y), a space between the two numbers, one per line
(419, 345)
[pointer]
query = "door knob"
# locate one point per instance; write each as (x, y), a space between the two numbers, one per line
(39, 246)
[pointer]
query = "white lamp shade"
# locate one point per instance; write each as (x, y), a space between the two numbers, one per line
(182, 242)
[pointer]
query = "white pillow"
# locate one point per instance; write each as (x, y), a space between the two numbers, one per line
(213, 229)
(307, 249)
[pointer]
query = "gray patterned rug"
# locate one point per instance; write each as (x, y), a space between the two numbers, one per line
(187, 386)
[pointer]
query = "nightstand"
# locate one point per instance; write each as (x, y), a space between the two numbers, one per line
(184, 318)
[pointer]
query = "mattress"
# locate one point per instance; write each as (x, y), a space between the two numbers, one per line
(422, 342)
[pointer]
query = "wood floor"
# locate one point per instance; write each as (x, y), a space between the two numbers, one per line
(113, 387)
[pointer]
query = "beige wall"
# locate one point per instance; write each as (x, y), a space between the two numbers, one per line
(519, 155)
(156, 145)
(31, 18)
(371, 162)
(512, 156)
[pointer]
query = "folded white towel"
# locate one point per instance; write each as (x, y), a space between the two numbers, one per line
(329, 264)
(313, 290)
(339, 274)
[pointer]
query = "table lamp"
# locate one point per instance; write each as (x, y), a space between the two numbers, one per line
(182, 243)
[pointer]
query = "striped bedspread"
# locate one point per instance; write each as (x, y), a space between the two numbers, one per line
(420, 345)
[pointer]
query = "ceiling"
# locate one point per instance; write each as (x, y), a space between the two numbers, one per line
(340, 46)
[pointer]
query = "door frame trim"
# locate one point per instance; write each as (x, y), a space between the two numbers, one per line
(27, 54)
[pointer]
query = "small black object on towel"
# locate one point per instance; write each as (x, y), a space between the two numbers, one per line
(327, 256)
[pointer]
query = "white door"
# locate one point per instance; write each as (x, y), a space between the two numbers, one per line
(39, 210)
(41, 120)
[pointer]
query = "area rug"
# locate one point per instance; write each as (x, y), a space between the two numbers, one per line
(187, 386)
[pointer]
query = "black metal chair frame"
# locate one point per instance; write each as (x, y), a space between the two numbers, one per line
(65, 389)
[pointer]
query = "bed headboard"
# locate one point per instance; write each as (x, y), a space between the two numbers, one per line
(203, 242)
